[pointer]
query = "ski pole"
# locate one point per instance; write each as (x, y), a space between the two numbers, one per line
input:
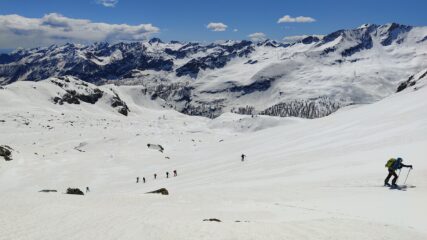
(398, 175)
(407, 175)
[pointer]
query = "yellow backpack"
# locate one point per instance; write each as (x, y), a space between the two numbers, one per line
(390, 162)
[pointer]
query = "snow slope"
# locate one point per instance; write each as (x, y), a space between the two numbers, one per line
(302, 179)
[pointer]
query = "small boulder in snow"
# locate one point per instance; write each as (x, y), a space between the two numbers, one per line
(48, 190)
(75, 191)
(155, 147)
(211, 220)
(162, 191)
(6, 152)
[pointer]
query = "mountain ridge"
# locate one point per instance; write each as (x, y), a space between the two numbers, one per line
(345, 67)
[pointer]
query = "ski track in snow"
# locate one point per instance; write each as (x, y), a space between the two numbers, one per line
(302, 179)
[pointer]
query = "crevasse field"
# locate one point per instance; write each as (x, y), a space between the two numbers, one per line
(302, 179)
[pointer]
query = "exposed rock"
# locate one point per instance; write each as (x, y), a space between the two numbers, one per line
(162, 191)
(250, 61)
(48, 190)
(118, 103)
(155, 147)
(75, 191)
(6, 152)
(310, 40)
(412, 80)
(216, 59)
(394, 33)
(420, 41)
(239, 221)
(72, 97)
(211, 220)
(365, 43)
(155, 40)
(260, 85)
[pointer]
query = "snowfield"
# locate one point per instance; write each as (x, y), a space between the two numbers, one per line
(302, 179)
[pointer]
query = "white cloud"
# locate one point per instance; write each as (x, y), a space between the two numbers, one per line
(300, 19)
(53, 28)
(217, 27)
(108, 3)
(235, 30)
(258, 36)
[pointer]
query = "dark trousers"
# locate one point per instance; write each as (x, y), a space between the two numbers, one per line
(391, 172)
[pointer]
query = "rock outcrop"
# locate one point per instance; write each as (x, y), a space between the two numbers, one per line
(6, 152)
(162, 191)
(75, 191)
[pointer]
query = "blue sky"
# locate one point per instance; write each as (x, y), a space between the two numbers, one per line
(187, 20)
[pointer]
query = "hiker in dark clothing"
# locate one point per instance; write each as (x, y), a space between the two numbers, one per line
(155, 175)
(137, 179)
(243, 157)
(393, 165)
(175, 173)
(167, 174)
(143, 179)
(87, 189)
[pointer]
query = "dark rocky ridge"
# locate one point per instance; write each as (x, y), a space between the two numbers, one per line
(77, 91)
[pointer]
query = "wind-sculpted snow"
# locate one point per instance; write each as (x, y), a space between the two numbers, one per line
(351, 66)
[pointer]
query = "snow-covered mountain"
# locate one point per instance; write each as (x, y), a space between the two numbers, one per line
(310, 78)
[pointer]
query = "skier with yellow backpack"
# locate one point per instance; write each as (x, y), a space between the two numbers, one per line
(392, 165)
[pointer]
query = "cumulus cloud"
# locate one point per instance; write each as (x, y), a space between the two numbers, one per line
(300, 19)
(257, 37)
(18, 31)
(217, 27)
(108, 3)
(235, 30)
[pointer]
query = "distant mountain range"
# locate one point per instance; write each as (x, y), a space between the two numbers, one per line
(309, 78)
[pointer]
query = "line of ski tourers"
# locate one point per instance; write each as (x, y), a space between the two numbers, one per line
(392, 165)
(175, 174)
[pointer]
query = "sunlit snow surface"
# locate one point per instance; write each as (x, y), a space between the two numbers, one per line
(301, 179)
